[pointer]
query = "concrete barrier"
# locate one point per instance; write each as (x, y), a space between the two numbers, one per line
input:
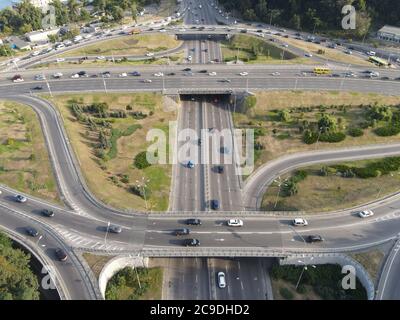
(334, 258)
(116, 264)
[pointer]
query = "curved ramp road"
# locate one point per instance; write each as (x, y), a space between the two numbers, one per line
(256, 185)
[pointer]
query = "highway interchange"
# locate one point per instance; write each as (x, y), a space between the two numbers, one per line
(81, 224)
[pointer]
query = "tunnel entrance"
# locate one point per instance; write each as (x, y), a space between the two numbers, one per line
(201, 36)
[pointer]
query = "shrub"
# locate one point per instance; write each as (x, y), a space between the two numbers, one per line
(310, 137)
(332, 137)
(140, 161)
(387, 131)
(355, 132)
(286, 293)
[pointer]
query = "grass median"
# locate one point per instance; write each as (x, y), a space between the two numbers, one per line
(128, 45)
(24, 160)
(106, 146)
(281, 118)
(250, 49)
(323, 188)
(135, 284)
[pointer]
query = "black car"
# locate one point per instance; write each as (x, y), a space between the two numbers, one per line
(37, 88)
(94, 76)
(82, 73)
(214, 204)
(114, 229)
(171, 74)
(259, 30)
(220, 169)
(136, 74)
(47, 213)
(191, 242)
(193, 222)
(314, 238)
(181, 232)
(199, 142)
(385, 78)
(32, 231)
(61, 255)
(205, 50)
(187, 69)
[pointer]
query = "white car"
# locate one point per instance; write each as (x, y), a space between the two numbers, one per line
(40, 77)
(244, 73)
(212, 73)
(365, 214)
(300, 222)
(75, 76)
(57, 75)
(308, 55)
(275, 73)
(285, 45)
(123, 75)
(221, 280)
(101, 58)
(235, 223)
(348, 52)
(58, 60)
(147, 81)
(18, 80)
(159, 74)
(149, 54)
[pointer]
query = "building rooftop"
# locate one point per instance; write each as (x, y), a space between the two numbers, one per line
(390, 29)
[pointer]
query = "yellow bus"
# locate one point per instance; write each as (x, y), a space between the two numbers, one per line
(322, 70)
(378, 61)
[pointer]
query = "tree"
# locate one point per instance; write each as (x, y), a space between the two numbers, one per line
(117, 13)
(327, 123)
(73, 10)
(61, 12)
(17, 281)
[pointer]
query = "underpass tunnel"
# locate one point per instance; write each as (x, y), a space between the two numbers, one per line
(202, 36)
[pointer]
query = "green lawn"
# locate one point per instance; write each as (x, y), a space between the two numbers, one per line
(24, 160)
(317, 193)
(139, 284)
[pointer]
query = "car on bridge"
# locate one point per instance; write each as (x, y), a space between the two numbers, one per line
(32, 232)
(314, 238)
(214, 204)
(191, 242)
(300, 222)
(193, 222)
(61, 255)
(181, 232)
(190, 164)
(365, 213)
(21, 199)
(47, 213)
(235, 223)
(114, 229)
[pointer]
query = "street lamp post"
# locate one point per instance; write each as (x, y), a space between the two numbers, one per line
(302, 271)
(143, 184)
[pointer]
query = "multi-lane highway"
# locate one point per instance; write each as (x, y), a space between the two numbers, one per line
(82, 224)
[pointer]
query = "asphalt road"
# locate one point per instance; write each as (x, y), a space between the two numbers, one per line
(342, 231)
(196, 278)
